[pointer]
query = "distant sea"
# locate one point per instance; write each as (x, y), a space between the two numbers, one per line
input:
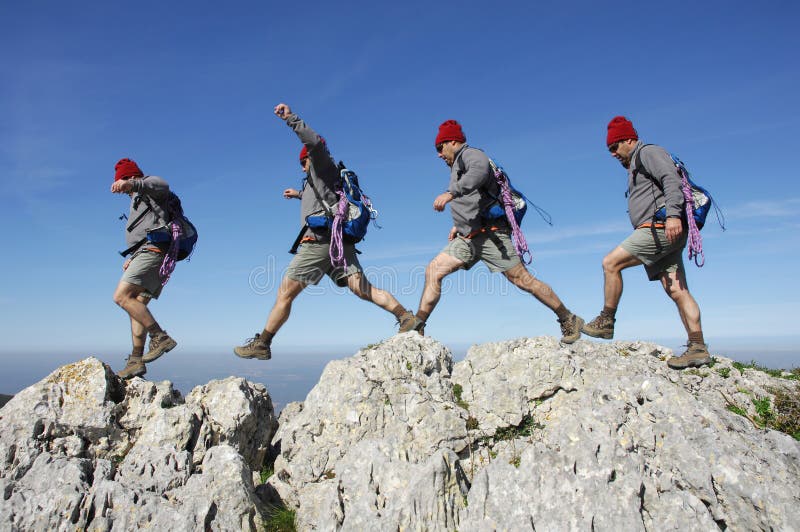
(291, 374)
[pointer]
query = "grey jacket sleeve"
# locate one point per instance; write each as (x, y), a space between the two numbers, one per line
(152, 186)
(658, 163)
(477, 172)
(317, 150)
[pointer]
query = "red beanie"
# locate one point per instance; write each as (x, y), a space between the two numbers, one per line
(304, 151)
(450, 130)
(620, 128)
(126, 168)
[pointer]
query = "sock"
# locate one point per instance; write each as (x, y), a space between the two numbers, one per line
(423, 316)
(138, 351)
(696, 337)
(154, 329)
(266, 336)
(398, 311)
(608, 312)
(562, 312)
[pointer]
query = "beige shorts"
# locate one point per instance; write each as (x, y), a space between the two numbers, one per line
(143, 271)
(650, 245)
(313, 261)
(494, 248)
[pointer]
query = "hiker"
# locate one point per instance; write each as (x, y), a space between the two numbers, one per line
(472, 190)
(653, 183)
(141, 278)
(313, 260)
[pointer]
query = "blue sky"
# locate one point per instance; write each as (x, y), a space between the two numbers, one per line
(187, 89)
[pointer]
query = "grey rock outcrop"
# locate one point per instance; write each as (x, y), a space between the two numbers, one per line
(523, 434)
(531, 434)
(83, 450)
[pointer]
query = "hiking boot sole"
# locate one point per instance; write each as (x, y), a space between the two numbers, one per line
(247, 356)
(578, 328)
(121, 375)
(597, 333)
(166, 347)
(676, 363)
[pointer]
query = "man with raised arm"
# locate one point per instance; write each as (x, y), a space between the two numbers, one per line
(313, 260)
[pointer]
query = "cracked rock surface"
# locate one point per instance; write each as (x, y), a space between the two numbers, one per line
(524, 434)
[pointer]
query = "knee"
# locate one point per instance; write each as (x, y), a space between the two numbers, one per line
(433, 274)
(610, 265)
(120, 297)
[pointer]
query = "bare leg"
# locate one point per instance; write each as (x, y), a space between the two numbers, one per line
(677, 289)
(139, 331)
(520, 277)
(360, 286)
(440, 267)
(287, 293)
(613, 264)
(127, 296)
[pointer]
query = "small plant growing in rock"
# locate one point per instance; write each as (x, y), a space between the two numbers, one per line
(472, 423)
(266, 472)
(787, 417)
(329, 474)
(280, 519)
(457, 391)
(408, 366)
(763, 411)
(736, 410)
(516, 461)
(724, 372)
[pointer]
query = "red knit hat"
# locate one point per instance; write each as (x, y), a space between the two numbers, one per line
(304, 151)
(620, 128)
(126, 168)
(450, 130)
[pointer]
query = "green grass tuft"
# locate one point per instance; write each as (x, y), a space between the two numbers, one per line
(280, 519)
(724, 372)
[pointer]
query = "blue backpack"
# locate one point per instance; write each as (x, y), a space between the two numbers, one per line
(702, 200)
(357, 210)
(185, 233)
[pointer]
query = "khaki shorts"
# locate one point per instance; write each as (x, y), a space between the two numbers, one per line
(313, 261)
(650, 245)
(143, 271)
(495, 249)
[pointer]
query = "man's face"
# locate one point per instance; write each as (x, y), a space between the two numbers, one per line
(447, 151)
(622, 151)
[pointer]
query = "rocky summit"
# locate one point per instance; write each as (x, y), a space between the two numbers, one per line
(520, 435)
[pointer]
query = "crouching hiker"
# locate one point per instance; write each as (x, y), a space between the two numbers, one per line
(653, 184)
(141, 278)
(472, 191)
(317, 249)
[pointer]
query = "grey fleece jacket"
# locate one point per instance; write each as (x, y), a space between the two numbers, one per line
(472, 186)
(644, 196)
(156, 190)
(324, 175)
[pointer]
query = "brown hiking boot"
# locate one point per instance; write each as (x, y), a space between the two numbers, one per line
(409, 322)
(134, 368)
(600, 327)
(571, 328)
(696, 355)
(159, 344)
(254, 348)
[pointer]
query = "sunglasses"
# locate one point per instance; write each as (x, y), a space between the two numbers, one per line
(439, 147)
(613, 147)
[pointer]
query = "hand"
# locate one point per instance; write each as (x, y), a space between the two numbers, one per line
(290, 193)
(674, 229)
(123, 186)
(453, 233)
(125, 266)
(282, 111)
(442, 200)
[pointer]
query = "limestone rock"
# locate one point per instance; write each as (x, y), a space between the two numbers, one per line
(83, 450)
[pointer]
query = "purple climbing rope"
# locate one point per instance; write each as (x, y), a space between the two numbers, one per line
(171, 258)
(694, 241)
(337, 242)
(520, 244)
